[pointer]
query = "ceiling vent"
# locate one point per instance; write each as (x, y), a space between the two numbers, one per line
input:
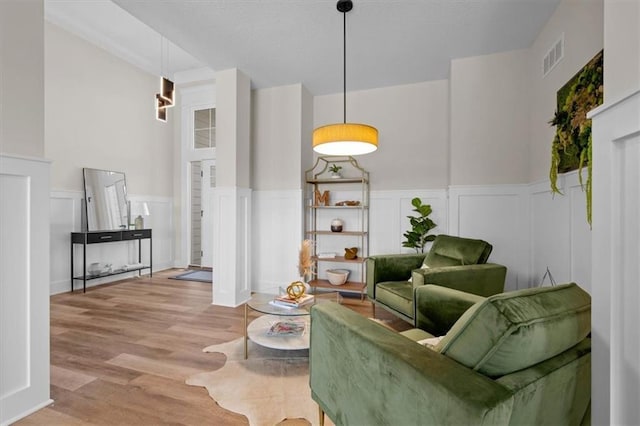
(553, 56)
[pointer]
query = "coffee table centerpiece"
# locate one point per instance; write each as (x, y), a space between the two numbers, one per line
(272, 329)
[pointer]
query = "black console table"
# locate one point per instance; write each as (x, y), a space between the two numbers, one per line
(97, 237)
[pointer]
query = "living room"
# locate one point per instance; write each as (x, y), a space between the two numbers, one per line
(475, 145)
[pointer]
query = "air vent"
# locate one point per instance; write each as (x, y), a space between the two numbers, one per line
(553, 56)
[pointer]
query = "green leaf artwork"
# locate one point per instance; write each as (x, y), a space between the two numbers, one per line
(571, 147)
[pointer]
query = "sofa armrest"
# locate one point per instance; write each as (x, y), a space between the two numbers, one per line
(391, 267)
(438, 308)
(483, 280)
(362, 373)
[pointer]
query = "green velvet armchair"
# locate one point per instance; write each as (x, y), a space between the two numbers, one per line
(454, 262)
(516, 358)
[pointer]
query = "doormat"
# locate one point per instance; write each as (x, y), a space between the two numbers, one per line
(202, 276)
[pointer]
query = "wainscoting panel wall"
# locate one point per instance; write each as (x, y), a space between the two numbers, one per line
(560, 235)
(24, 281)
(388, 218)
(277, 225)
(616, 266)
(65, 217)
(232, 240)
(498, 214)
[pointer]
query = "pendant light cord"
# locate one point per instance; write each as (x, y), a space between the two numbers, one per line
(344, 66)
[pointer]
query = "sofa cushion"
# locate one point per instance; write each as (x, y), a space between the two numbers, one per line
(450, 251)
(417, 334)
(511, 331)
(397, 295)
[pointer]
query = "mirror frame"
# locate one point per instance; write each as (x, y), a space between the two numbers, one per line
(114, 217)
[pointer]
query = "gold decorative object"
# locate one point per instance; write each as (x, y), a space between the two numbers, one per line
(321, 199)
(296, 290)
(350, 203)
(351, 253)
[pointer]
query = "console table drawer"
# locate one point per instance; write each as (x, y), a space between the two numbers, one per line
(136, 234)
(103, 237)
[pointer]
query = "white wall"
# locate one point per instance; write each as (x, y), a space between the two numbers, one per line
(616, 295)
(498, 214)
(581, 22)
(560, 235)
(277, 138)
(622, 48)
(412, 121)
(22, 78)
(100, 114)
(489, 113)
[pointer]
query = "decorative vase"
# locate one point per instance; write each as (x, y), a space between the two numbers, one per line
(351, 253)
(335, 175)
(336, 225)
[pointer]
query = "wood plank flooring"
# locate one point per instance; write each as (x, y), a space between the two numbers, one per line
(121, 352)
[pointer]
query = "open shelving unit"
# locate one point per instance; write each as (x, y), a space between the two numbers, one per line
(353, 185)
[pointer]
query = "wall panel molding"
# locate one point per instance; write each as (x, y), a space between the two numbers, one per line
(277, 224)
(24, 287)
(498, 214)
(232, 240)
(616, 232)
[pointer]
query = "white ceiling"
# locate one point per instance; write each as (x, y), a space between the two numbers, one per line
(279, 42)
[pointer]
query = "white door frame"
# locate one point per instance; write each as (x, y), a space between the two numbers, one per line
(206, 221)
(191, 99)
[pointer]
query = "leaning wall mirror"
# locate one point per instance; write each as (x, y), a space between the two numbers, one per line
(105, 196)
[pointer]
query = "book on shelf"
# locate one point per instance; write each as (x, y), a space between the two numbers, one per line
(288, 302)
(287, 328)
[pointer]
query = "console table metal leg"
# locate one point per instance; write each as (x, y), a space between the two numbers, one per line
(71, 266)
(140, 256)
(84, 267)
(245, 330)
(150, 256)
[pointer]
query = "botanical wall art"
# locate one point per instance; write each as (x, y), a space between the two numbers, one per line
(571, 147)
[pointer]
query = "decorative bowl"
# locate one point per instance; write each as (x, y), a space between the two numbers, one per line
(337, 276)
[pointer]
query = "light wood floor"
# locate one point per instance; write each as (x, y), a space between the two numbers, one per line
(120, 353)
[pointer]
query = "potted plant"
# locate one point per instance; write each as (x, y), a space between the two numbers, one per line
(335, 171)
(418, 236)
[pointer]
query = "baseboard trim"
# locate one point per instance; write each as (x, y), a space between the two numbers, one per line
(28, 412)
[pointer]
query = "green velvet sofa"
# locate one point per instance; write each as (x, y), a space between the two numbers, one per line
(516, 358)
(454, 262)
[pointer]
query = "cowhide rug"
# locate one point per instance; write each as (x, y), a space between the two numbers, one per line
(268, 387)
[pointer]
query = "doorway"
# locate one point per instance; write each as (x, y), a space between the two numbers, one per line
(203, 182)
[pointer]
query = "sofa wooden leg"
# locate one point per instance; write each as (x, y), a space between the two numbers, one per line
(321, 416)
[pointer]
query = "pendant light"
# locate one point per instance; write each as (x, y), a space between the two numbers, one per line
(345, 138)
(164, 99)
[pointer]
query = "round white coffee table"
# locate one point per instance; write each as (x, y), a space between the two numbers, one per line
(258, 329)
